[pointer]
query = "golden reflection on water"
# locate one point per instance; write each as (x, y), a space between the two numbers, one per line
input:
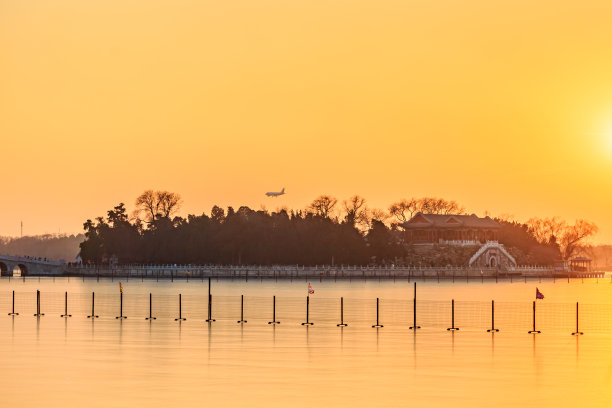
(58, 362)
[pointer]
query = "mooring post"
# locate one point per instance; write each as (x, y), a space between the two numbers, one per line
(342, 324)
(13, 310)
(93, 302)
(121, 316)
(210, 319)
(307, 310)
(414, 325)
(577, 332)
(377, 322)
(274, 321)
(241, 310)
(534, 322)
(66, 306)
(180, 318)
(38, 314)
(150, 308)
(492, 329)
(452, 317)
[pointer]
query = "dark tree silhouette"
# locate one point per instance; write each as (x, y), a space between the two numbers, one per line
(244, 236)
(311, 237)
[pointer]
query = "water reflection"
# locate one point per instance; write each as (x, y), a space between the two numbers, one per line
(135, 362)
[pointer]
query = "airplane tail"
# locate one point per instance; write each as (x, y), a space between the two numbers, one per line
(283, 190)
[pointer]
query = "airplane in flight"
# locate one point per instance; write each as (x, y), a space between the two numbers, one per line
(276, 193)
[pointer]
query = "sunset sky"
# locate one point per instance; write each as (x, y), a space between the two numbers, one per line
(504, 106)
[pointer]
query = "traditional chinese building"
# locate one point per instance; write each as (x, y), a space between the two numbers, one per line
(450, 229)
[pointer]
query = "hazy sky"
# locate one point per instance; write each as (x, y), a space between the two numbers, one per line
(504, 106)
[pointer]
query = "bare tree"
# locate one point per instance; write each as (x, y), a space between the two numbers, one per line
(571, 239)
(354, 208)
(547, 230)
(432, 205)
(369, 216)
(154, 205)
(404, 209)
(323, 206)
(376, 214)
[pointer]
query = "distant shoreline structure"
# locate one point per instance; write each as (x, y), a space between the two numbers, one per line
(320, 272)
(29, 266)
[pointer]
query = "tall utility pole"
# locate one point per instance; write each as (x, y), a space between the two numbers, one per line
(21, 229)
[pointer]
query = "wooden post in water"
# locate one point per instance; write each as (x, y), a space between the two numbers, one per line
(307, 323)
(377, 322)
(13, 310)
(452, 317)
(274, 321)
(66, 306)
(577, 332)
(38, 314)
(150, 308)
(492, 329)
(121, 316)
(414, 325)
(93, 302)
(342, 324)
(180, 318)
(534, 322)
(210, 319)
(241, 310)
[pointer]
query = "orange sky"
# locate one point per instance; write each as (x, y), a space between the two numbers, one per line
(503, 106)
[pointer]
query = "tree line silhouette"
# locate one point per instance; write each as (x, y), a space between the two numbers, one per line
(50, 246)
(323, 233)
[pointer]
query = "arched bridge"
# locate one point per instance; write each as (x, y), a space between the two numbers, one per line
(29, 266)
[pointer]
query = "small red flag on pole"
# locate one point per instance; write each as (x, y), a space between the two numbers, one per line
(539, 294)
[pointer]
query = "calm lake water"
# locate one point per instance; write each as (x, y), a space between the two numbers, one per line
(76, 361)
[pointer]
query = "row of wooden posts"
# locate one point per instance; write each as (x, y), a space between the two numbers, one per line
(210, 319)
